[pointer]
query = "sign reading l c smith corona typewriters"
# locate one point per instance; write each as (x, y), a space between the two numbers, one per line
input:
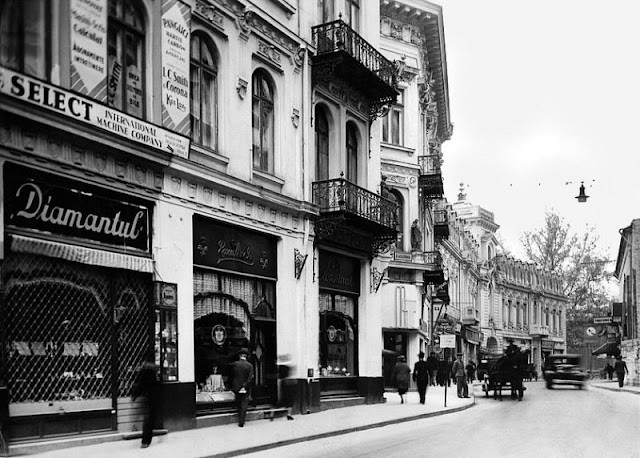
(46, 203)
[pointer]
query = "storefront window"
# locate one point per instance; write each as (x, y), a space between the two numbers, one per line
(338, 332)
(166, 343)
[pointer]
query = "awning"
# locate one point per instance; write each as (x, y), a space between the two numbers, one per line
(22, 244)
(608, 348)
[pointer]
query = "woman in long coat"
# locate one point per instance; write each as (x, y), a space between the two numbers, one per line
(401, 377)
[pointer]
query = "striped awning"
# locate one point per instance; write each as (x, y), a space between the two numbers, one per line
(85, 255)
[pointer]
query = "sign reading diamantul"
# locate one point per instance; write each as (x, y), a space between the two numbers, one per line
(89, 48)
(46, 203)
(176, 32)
(83, 109)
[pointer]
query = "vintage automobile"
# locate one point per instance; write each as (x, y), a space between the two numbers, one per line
(564, 370)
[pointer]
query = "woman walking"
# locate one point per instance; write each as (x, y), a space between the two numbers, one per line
(400, 377)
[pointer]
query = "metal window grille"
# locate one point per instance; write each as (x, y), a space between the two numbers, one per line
(71, 330)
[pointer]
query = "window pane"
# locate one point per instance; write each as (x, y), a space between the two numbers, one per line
(267, 137)
(133, 76)
(385, 128)
(10, 34)
(114, 62)
(34, 38)
(195, 103)
(208, 85)
(395, 127)
(255, 123)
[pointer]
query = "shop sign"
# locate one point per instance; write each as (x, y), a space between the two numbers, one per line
(473, 336)
(176, 43)
(88, 111)
(47, 203)
(165, 294)
(448, 341)
(339, 272)
(547, 344)
(234, 249)
(89, 48)
(602, 319)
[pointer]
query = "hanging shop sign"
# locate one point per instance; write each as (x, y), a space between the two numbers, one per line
(339, 273)
(88, 50)
(233, 249)
(51, 204)
(176, 43)
(547, 344)
(88, 111)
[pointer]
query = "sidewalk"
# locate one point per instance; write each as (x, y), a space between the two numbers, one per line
(230, 440)
(612, 385)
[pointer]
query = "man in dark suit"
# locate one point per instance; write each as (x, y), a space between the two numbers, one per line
(432, 367)
(421, 376)
(241, 379)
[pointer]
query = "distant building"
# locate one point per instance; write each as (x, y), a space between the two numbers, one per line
(625, 311)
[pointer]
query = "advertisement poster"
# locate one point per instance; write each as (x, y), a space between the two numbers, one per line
(89, 48)
(83, 109)
(176, 41)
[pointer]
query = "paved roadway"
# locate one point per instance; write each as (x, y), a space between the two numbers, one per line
(558, 423)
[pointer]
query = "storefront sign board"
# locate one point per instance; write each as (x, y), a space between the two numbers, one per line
(448, 341)
(51, 204)
(72, 105)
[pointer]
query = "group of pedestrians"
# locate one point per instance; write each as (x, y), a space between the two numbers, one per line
(427, 373)
(619, 368)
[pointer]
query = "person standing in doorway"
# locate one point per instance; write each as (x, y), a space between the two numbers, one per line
(432, 367)
(241, 379)
(457, 371)
(421, 376)
(620, 368)
(400, 377)
(146, 387)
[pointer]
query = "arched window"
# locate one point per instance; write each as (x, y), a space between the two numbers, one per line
(322, 144)
(23, 36)
(396, 197)
(352, 153)
(204, 94)
(125, 57)
(262, 122)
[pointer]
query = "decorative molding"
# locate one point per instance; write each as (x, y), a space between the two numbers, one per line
(376, 279)
(241, 88)
(295, 117)
(269, 52)
(401, 170)
(210, 13)
(299, 261)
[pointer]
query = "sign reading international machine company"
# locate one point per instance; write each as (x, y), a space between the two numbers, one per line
(83, 109)
(89, 48)
(176, 41)
(46, 203)
(232, 248)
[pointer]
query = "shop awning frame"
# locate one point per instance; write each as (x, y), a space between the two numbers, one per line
(608, 348)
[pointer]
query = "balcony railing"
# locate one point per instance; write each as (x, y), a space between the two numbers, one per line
(470, 315)
(441, 224)
(429, 165)
(340, 195)
(430, 180)
(342, 53)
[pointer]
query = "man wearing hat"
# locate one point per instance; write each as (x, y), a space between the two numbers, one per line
(461, 381)
(241, 378)
(421, 376)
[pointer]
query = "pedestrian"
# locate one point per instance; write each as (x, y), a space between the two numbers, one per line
(146, 388)
(421, 376)
(610, 370)
(620, 368)
(241, 379)
(400, 377)
(457, 371)
(287, 384)
(471, 370)
(432, 367)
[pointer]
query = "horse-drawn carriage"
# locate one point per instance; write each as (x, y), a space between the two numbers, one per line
(505, 372)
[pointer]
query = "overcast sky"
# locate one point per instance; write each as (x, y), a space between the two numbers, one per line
(543, 93)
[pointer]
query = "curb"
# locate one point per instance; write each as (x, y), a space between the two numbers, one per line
(354, 429)
(615, 389)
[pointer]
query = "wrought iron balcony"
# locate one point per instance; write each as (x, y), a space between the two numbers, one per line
(342, 53)
(434, 275)
(430, 179)
(441, 224)
(352, 215)
(539, 330)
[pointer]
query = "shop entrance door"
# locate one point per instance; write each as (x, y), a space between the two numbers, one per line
(266, 381)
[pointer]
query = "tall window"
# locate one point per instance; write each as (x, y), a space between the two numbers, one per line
(204, 94)
(262, 122)
(351, 14)
(326, 11)
(352, 153)
(23, 36)
(125, 57)
(322, 144)
(397, 199)
(393, 123)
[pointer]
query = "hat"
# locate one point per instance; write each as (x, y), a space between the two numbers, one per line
(401, 358)
(243, 351)
(459, 354)
(421, 354)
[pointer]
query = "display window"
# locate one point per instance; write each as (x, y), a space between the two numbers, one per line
(338, 332)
